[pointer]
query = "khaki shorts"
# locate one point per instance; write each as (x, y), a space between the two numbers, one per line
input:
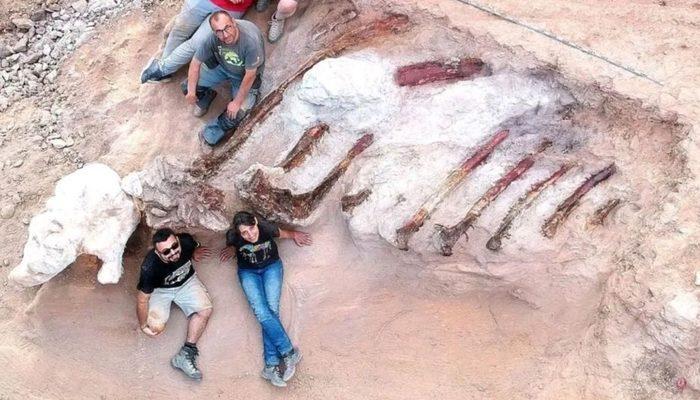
(191, 297)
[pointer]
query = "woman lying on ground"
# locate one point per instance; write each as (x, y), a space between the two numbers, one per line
(260, 274)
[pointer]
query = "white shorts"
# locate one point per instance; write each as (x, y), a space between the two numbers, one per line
(191, 297)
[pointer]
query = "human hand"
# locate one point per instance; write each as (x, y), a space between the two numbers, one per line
(226, 253)
(302, 238)
(191, 98)
(201, 253)
(232, 109)
(149, 331)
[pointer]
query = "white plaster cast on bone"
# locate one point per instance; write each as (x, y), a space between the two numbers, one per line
(88, 214)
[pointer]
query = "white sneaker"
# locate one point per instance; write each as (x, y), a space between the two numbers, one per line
(276, 29)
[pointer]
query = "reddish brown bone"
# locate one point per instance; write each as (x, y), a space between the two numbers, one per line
(404, 233)
(447, 237)
(599, 216)
(304, 146)
(285, 206)
(521, 205)
(433, 71)
(350, 201)
(549, 229)
(392, 23)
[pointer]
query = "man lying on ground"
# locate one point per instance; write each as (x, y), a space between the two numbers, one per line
(167, 276)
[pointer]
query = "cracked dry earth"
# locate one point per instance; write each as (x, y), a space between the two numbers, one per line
(496, 215)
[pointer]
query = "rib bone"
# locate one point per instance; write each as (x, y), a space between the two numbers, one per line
(599, 216)
(549, 229)
(447, 237)
(303, 147)
(282, 205)
(392, 23)
(433, 71)
(412, 226)
(522, 204)
(350, 201)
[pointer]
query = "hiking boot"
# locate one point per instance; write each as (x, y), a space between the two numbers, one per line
(272, 373)
(203, 103)
(153, 74)
(290, 363)
(185, 360)
(276, 29)
(261, 5)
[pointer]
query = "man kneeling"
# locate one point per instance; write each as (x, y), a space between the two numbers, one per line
(167, 276)
(234, 52)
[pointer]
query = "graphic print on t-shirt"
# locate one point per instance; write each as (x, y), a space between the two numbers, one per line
(179, 274)
(256, 253)
(230, 56)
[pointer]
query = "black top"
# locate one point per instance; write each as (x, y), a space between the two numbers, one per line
(157, 274)
(259, 254)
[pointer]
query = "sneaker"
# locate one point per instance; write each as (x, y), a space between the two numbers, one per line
(272, 373)
(290, 363)
(185, 360)
(276, 29)
(152, 74)
(199, 111)
(261, 5)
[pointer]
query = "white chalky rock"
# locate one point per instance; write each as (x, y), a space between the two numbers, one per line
(89, 213)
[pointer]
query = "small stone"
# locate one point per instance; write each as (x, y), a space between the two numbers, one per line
(32, 58)
(59, 143)
(697, 278)
(38, 15)
(7, 211)
(23, 24)
(51, 76)
(101, 5)
(20, 46)
(80, 5)
(46, 50)
(6, 262)
(25, 221)
(18, 163)
(4, 51)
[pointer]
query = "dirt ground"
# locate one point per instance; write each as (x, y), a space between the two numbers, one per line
(369, 328)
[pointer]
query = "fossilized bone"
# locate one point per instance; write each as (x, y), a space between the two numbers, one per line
(303, 147)
(350, 201)
(412, 226)
(549, 229)
(392, 23)
(433, 71)
(523, 203)
(281, 204)
(447, 237)
(599, 216)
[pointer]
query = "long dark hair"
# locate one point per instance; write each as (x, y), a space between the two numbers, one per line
(242, 218)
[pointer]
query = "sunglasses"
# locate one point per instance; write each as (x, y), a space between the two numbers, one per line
(166, 251)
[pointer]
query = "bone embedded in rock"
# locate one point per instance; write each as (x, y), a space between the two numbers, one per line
(549, 229)
(350, 201)
(457, 175)
(601, 214)
(447, 237)
(282, 205)
(388, 24)
(303, 147)
(521, 205)
(435, 71)
(88, 214)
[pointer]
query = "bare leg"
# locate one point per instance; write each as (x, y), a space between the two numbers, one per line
(198, 321)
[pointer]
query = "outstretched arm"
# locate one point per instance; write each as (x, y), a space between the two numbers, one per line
(299, 237)
(192, 79)
(142, 312)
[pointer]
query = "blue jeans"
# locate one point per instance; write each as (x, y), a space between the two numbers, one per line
(190, 30)
(209, 78)
(263, 287)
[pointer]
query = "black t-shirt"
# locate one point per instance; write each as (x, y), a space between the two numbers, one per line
(157, 274)
(259, 254)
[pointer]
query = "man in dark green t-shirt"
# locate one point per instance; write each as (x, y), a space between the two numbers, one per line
(235, 52)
